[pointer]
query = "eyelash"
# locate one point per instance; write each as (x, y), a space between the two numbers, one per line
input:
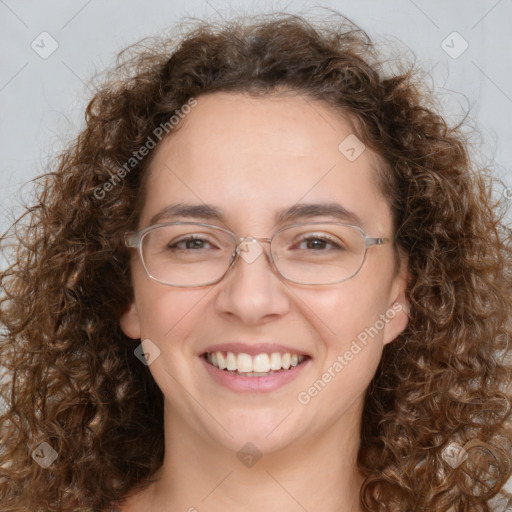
(188, 238)
(305, 239)
(323, 238)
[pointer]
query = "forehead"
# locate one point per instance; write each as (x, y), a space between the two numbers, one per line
(252, 156)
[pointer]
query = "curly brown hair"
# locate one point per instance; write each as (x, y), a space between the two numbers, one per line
(442, 387)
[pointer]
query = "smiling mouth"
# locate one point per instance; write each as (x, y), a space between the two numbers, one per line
(260, 365)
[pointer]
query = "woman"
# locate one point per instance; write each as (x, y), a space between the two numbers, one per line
(265, 277)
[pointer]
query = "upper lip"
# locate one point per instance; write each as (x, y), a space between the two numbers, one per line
(252, 349)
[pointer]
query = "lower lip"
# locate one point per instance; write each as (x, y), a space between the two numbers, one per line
(254, 384)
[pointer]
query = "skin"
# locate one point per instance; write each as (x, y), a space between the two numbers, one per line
(251, 157)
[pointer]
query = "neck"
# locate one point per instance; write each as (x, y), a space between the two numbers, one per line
(309, 474)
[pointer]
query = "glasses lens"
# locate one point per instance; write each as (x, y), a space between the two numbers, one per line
(318, 253)
(187, 254)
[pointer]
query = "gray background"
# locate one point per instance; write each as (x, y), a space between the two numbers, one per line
(43, 99)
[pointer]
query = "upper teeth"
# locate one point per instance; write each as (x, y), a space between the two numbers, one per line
(261, 363)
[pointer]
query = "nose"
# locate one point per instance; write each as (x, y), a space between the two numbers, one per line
(251, 291)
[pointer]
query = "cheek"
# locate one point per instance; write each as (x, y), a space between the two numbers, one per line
(170, 317)
(349, 335)
(344, 313)
(167, 313)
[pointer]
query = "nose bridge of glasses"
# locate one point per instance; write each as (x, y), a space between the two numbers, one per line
(249, 248)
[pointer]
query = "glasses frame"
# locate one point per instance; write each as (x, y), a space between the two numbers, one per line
(133, 239)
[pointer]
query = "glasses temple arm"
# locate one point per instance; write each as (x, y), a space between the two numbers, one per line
(131, 239)
(376, 241)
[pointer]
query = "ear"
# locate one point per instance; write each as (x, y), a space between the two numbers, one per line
(397, 314)
(130, 321)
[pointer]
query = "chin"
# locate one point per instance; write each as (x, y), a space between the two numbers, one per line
(268, 431)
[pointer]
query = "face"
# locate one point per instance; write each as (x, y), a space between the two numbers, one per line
(251, 159)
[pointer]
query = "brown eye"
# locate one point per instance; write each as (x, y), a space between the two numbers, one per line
(191, 242)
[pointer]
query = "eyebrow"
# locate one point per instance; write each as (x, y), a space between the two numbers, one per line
(309, 210)
(292, 214)
(199, 211)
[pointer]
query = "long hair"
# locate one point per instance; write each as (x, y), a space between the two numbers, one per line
(437, 412)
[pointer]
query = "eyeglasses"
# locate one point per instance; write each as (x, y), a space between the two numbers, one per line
(188, 254)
